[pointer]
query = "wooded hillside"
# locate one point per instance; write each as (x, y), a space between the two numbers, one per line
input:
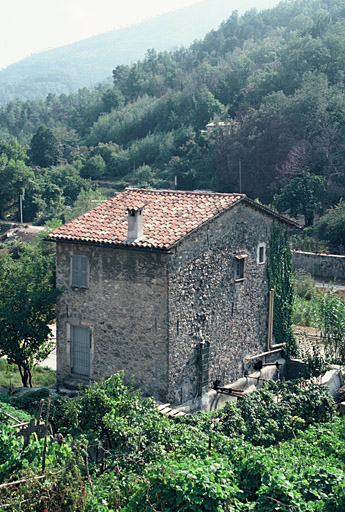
(275, 78)
(87, 62)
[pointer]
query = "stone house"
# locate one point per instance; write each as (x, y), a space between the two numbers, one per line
(169, 286)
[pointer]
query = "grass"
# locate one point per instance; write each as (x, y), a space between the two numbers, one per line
(10, 376)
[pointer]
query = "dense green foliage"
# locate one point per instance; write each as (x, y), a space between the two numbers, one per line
(273, 78)
(27, 307)
(323, 309)
(331, 228)
(44, 148)
(280, 280)
(332, 323)
(142, 460)
(302, 194)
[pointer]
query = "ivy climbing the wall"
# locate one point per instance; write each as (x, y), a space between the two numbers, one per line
(280, 279)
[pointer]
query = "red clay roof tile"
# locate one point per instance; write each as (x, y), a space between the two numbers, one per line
(168, 216)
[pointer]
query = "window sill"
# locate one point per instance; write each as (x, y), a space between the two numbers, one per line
(240, 279)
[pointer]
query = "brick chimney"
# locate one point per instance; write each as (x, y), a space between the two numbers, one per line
(135, 223)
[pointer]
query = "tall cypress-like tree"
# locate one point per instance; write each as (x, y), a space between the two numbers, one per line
(44, 148)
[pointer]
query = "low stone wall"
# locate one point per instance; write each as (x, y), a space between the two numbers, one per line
(324, 266)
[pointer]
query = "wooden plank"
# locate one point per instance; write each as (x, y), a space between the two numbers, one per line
(12, 417)
(162, 406)
(20, 425)
(166, 410)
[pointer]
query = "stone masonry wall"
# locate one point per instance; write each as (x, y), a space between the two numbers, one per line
(125, 306)
(208, 308)
(323, 266)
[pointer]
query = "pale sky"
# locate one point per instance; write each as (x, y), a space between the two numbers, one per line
(32, 26)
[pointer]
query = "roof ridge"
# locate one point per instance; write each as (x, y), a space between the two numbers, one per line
(186, 192)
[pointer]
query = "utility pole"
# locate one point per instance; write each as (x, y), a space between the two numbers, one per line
(21, 208)
(240, 175)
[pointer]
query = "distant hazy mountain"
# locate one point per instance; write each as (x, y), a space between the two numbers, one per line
(87, 62)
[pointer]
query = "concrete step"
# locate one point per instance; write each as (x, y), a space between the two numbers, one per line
(74, 384)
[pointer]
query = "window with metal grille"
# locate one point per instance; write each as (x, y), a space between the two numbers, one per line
(81, 344)
(80, 271)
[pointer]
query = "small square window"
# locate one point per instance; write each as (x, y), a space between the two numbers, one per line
(80, 271)
(261, 253)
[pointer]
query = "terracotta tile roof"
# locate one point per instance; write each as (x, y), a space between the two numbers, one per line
(168, 216)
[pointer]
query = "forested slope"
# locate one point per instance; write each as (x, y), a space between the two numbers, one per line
(274, 78)
(87, 62)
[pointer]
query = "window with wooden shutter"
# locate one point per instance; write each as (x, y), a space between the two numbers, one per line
(80, 267)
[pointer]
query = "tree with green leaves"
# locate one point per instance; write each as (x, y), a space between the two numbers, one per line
(94, 168)
(27, 307)
(331, 227)
(86, 200)
(45, 147)
(302, 195)
(15, 177)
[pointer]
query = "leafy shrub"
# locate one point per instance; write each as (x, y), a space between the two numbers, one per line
(332, 323)
(306, 312)
(331, 227)
(308, 243)
(306, 300)
(109, 492)
(115, 414)
(304, 284)
(315, 361)
(63, 489)
(15, 413)
(187, 485)
(273, 413)
(30, 401)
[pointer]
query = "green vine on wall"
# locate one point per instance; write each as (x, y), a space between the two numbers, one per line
(279, 270)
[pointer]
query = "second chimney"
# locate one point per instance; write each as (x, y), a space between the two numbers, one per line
(135, 223)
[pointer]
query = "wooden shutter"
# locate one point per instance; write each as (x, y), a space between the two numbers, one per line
(83, 271)
(80, 271)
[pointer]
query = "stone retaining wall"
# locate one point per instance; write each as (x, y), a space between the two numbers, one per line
(324, 266)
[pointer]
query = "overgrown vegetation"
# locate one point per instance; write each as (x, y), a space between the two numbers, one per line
(324, 310)
(27, 306)
(280, 280)
(260, 454)
(274, 79)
